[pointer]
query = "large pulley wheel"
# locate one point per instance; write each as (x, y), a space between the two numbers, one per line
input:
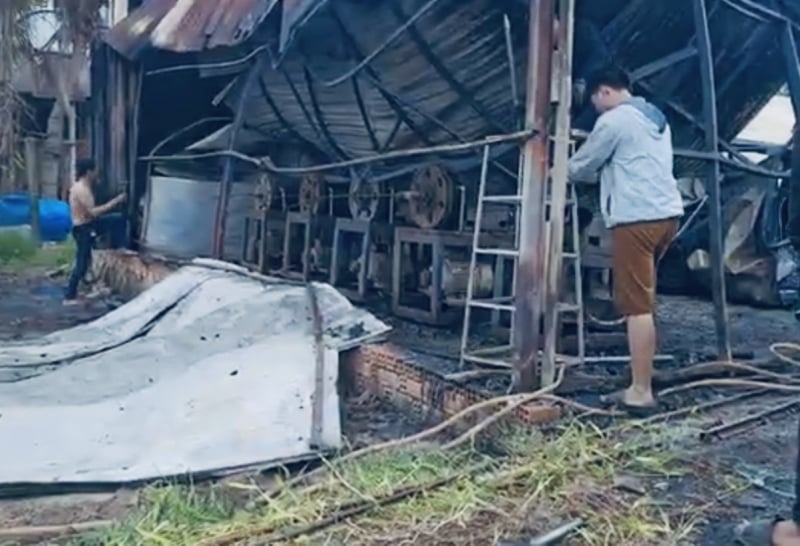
(312, 193)
(432, 197)
(365, 198)
(264, 193)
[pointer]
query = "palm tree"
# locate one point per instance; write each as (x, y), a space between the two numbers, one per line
(78, 22)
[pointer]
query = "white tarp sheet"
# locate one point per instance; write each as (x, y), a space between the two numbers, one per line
(207, 371)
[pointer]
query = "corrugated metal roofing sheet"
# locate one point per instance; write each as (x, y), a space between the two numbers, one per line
(467, 38)
(209, 371)
(188, 25)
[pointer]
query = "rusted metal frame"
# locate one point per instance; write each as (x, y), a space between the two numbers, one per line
(390, 100)
(792, 66)
(323, 125)
(747, 52)
(362, 108)
(558, 196)
(528, 300)
(281, 119)
(461, 90)
(365, 61)
(744, 11)
(443, 126)
(685, 114)
(265, 163)
(676, 79)
(770, 13)
(218, 245)
(705, 55)
(663, 63)
(392, 134)
(302, 105)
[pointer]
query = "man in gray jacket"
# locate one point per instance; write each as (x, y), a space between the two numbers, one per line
(630, 148)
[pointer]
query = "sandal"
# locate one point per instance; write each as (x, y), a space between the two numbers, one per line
(758, 533)
(617, 399)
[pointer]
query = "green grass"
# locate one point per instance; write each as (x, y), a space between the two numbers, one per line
(19, 252)
(539, 483)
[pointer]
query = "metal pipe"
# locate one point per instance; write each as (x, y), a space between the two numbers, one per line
(535, 159)
(172, 136)
(268, 165)
(218, 245)
(706, 58)
(462, 208)
(512, 64)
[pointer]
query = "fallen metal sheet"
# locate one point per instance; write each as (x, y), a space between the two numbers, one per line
(224, 379)
(115, 328)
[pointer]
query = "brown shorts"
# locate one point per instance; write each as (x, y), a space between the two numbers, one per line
(636, 250)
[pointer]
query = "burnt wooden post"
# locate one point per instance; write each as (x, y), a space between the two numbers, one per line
(32, 171)
(529, 299)
(706, 59)
(218, 245)
(793, 79)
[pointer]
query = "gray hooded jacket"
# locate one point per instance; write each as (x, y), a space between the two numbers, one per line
(631, 148)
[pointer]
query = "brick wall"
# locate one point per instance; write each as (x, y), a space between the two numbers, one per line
(388, 371)
(385, 370)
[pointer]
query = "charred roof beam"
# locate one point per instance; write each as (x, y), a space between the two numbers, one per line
(303, 108)
(393, 104)
(280, 117)
(460, 89)
(663, 63)
(362, 108)
(323, 125)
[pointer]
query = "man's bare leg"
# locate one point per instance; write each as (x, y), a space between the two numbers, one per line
(642, 345)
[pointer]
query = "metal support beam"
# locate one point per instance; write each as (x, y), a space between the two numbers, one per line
(713, 180)
(535, 165)
(792, 66)
(663, 63)
(218, 245)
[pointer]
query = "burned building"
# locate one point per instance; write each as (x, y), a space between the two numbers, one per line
(336, 139)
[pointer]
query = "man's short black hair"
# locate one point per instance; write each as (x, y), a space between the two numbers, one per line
(84, 167)
(612, 76)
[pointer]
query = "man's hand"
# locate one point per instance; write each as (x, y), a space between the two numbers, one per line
(121, 198)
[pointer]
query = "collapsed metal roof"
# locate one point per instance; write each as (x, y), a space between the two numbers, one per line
(187, 25)
(198, 25)
(209, 371)
(447, 76)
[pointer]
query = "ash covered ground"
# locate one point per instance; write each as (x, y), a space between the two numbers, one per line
(760, 462)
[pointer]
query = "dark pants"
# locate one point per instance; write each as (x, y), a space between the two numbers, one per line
(83, 258)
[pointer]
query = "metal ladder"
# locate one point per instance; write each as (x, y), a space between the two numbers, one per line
(560, 194)
(498, 356)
